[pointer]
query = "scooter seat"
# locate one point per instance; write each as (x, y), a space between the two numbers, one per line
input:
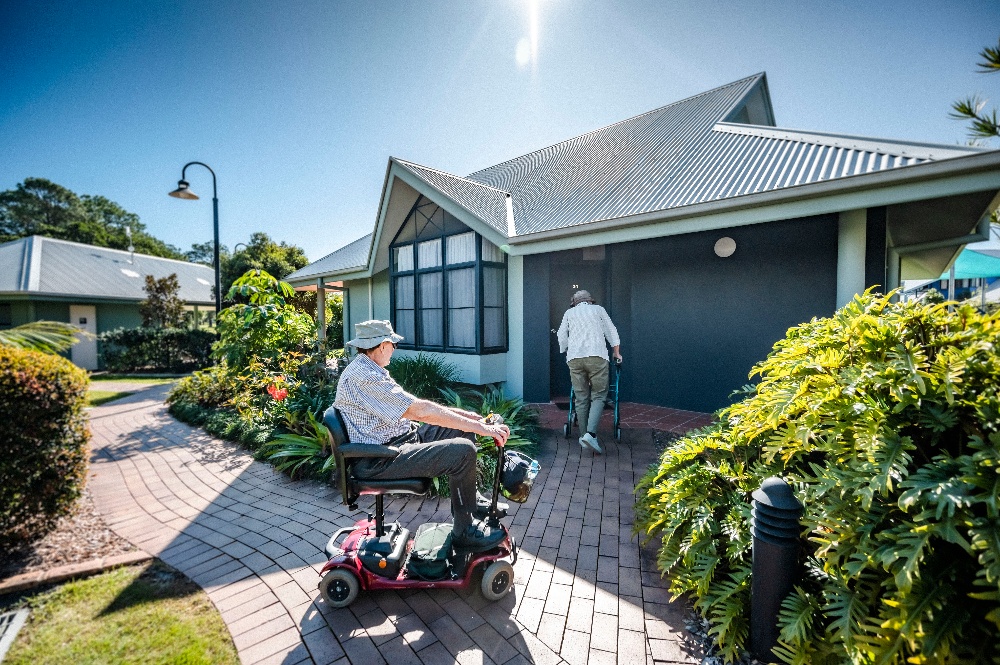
(398, 486)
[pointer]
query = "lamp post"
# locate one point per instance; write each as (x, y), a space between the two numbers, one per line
(183, 191)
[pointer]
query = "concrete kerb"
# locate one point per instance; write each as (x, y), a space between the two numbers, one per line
(26, 581)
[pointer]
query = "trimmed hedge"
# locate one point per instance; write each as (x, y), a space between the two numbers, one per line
(157, 349)
(43, 441)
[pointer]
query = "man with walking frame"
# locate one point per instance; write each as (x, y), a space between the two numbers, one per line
(582, 334)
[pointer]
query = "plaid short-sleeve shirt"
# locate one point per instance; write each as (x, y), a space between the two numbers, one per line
(371, 402)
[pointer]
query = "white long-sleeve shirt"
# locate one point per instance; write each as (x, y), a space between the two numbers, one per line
(583, 331)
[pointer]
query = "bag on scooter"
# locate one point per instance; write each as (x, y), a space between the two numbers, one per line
(517, 475)
(431, 549)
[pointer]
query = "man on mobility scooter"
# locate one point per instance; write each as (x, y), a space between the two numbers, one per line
(379, 450)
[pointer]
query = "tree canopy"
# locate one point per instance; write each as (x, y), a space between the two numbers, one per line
(163, 307)
(204, 253)
(41, 207)
(261, 253)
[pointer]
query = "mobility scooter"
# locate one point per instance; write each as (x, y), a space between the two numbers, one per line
(373, 555)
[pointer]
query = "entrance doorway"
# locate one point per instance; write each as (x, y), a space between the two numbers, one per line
(84, 352)
(569, 272)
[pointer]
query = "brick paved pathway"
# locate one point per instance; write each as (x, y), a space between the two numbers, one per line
(584, 589)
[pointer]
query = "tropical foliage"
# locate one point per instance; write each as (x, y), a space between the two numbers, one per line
(306, 454)
(261, 327)
(45, 336)
(423, 375)
(270, 374)
(885, 419)
(305, 301)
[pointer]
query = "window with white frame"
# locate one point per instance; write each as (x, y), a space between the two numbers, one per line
(449, 285)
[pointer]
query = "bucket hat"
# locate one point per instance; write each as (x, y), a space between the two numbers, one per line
(369, 334)
(581, 296)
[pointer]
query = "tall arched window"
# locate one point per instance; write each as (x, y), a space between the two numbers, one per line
(449, 285)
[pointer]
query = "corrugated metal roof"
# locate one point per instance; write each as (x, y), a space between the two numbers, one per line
(483, 200)
(12, 268)
(47, 266)
(615, 171)
(351, 255)
(682, 154)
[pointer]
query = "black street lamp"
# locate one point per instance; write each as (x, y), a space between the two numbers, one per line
(183, 191)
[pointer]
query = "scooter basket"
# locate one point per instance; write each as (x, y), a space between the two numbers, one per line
(517, 475)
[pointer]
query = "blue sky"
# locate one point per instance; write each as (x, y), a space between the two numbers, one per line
(297, 106)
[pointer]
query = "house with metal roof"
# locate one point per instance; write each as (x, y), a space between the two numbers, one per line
(95, 288)
(703, 228)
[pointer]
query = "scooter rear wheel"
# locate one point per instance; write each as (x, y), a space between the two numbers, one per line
(498, 578)
(339, 587)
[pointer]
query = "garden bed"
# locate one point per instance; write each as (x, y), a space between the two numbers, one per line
(79, 537)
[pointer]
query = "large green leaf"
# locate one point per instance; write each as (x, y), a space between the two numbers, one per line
(46, 336)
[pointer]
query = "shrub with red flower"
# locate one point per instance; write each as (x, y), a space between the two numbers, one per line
(277, 393)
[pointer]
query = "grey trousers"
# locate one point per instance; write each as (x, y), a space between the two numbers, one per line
(438, 451)
(589, 377)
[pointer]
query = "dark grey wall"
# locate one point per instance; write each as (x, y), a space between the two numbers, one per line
(700, 322)
(536, 328)
(693, 324)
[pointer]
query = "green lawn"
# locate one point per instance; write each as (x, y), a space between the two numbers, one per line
(141, 614)
(98, 397)
(133, 378)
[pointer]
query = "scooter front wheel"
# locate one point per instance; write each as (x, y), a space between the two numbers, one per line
(339, 587)
(497, 580)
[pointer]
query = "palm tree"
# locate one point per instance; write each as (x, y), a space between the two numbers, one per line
(984, 124)
(46, 336)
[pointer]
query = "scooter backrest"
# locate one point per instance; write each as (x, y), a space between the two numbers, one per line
(338, 436)
(335, 423)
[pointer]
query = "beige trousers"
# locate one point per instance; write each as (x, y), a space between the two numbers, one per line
(589, 377)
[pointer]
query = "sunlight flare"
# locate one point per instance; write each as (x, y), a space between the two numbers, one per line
(526, 51)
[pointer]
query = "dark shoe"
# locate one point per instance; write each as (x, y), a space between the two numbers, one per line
(482, 509)
(478, 537)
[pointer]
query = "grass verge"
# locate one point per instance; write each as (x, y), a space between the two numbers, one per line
(134, 378)
(140, 614)
(98, 397)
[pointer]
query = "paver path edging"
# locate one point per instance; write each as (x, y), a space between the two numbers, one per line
(253, 539)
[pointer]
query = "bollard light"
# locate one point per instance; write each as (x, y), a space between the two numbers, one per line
(775, 527)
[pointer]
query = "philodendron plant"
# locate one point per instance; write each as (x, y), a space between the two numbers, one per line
(884, 417)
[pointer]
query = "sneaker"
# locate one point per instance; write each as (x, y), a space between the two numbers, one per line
(589, 439)
(482, 509)
(478, 537)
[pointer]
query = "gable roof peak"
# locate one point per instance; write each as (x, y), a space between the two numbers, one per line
(747, 80)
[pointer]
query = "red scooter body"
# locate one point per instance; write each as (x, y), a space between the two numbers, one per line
(370, 581)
